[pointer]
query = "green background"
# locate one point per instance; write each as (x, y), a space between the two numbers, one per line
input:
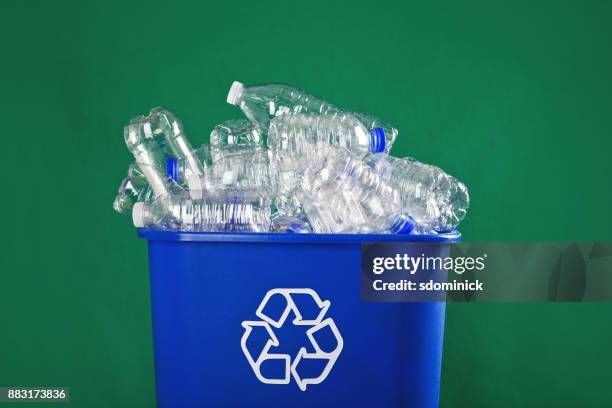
(514, 98)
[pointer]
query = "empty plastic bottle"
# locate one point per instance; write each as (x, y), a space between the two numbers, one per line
(247, 170)
(227, 212)
(234, 136)
(151, 139)
(420, 229)
(295, 225)
(335, 216)
(261, 103)
(177, 170)
(297, 140)
(371, 202)
(135, 186)
(149, 151)
(433, 198)
(289, 180)
(131, 191)
(297, 165)
(372, 158)
(172, 129)
(287, 205)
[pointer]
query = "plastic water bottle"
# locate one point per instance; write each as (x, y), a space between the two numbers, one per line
(248, 170)
(286, 205)
(227, 212)
(339, 214)
(433, 198)
(372, 158)
(260, 103)
(168, 124)
(335, 216)
(290, 224)
(177, 170)
(375, 206)
(149, 151)
(372, 122)
(135, 186)
(296, 140)
(235, 136)
(131, 191)
(151, 139)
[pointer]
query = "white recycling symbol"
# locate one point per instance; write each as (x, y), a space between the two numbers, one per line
(292, 366)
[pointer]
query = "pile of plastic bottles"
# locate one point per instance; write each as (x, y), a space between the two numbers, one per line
(296, 164)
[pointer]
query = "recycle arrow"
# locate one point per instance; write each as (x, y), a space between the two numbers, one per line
(329, 357)
(267, 323)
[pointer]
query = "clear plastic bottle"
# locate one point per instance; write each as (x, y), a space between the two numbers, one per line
(177, 170)
(376, 205)
(290, 224)
(260, 103)
(227, 212)
(297, 140)
(338, 215)
(286, 205)
(235, 136)
(372, 122)
(248, 170)
(135, 186)
(149, 151)
(130, 192)
(151, 138)
(372, 158)
(433, 198)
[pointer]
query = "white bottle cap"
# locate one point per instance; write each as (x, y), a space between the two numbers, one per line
(235, 92)
(138, 214)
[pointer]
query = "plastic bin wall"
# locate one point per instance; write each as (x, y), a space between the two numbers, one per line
(208, 290)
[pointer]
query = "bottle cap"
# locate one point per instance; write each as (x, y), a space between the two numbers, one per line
(235, 93)
(377, 140)
(172, 168)
(138, 214)
(444, 230)
(403, 224)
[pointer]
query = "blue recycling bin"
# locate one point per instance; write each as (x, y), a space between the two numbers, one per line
(276, 320)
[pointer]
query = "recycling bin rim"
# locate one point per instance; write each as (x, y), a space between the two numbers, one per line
(287, 238)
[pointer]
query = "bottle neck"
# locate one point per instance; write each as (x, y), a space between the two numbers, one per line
(378, 142)
(235, 93)
(403, 224)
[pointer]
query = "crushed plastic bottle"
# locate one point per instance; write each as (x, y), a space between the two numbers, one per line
(130, 192)
(135, 186)
(152, 139)
(286, 205)
(248, 170)
(149, 151)
(336, 216)
(433, 198)
(297, 164)
(220, 212)
(234, 137)
(177, 170)
(357, 191)
(261, 103)
(291, 224)
(180, 171)
(297, 140)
